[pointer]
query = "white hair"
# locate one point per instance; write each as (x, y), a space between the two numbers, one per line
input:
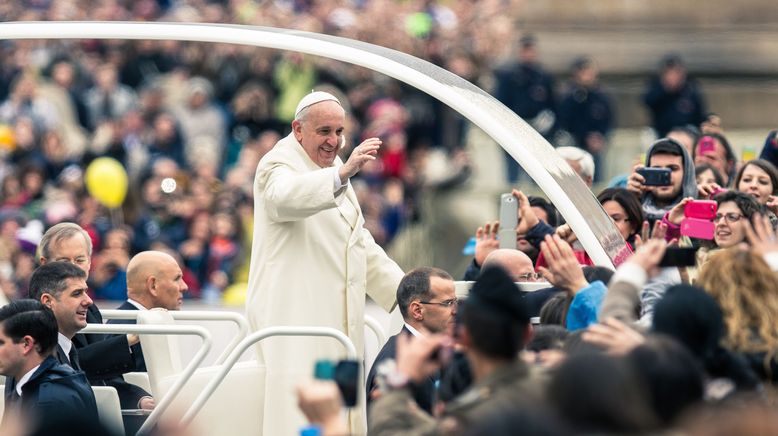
(581, 156)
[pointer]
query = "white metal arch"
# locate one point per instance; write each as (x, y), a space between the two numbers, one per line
(564, 188)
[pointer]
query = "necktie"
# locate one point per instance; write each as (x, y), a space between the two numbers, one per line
(73, 357)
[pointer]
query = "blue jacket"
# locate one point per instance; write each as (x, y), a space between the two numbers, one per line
(585, 306)
(54, 388)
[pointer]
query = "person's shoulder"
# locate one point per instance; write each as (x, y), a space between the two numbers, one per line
(505, 385)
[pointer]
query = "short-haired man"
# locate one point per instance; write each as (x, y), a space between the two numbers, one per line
(100, 355)
(37, 385)
(154, 280)
(61, 286)
(428, 302)
(494, 327)
(658, 200)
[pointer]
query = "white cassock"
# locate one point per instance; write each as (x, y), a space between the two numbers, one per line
(312, 263)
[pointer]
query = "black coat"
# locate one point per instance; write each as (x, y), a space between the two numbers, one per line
(424, 393)
(54, 389)
(137, 352)
(674, 109)
(584, 111)
(101, 355)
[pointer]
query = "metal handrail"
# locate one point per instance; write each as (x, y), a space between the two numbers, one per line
(195, 315)
(151, 329)
(377, 329)
(250, 340)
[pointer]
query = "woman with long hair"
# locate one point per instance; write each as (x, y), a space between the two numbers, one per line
(746, 289)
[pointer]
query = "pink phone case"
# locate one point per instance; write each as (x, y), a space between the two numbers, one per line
(697, 228)
(703, 209)
(707, 144)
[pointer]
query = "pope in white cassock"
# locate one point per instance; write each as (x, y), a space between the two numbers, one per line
(312, 262)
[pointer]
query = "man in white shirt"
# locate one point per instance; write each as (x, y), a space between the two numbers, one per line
(37, 385)
(154, 280)
(428, 304)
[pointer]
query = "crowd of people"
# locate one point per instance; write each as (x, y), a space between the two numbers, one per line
(662, 344)
(202, 115)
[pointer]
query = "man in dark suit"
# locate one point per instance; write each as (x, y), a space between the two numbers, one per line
(154, 279)
(100, 356)
(61, 286)
(37, 385)
(428, 303)
(528, 90)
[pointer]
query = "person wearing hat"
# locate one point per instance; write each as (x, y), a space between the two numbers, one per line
(312, 261)
(493, 326)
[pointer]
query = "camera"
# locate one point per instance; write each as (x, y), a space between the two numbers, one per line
(655, 176)
(344, 373)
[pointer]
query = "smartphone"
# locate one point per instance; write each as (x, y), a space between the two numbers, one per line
(346, 376)
(509, 220)
(698, 228)
(706, 145)
(655, 176)
(679, 256)
(702, 209)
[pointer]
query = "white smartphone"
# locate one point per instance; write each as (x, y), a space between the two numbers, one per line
(509, 220)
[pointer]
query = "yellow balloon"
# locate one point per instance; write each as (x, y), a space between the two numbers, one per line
(235, 294)
(7, 138)
(106, 181)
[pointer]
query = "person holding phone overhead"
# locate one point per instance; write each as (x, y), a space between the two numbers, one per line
(650, 182)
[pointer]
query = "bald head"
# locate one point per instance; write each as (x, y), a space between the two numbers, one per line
(154, 279)
(515, 262)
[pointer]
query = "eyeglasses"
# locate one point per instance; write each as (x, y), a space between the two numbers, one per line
(528, 277)
(447, 303)
(732, 217)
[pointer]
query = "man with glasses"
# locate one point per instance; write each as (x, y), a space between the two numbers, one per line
(428, 304)
(517, 264)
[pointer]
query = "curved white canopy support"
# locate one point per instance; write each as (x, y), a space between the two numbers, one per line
(563, 187)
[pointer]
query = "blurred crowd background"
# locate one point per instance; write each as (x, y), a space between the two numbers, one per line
(189, 121)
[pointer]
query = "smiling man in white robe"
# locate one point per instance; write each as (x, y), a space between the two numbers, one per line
(312, 262)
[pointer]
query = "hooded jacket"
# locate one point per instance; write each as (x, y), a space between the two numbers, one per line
(654, 212)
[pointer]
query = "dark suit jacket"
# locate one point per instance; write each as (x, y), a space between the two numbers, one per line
(129, 394)
(137, 352)
(53, 390)
(424, 393)
(103, 356)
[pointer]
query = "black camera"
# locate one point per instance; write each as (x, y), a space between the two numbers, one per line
(345, 374)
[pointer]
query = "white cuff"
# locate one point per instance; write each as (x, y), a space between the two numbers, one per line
(631, 273)
(772, 260)
(336, 185)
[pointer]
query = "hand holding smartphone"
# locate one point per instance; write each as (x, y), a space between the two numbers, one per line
(655, 176)
(679, 256)
(509, 220)
(345, 374)
(698, 221)
(706, 145)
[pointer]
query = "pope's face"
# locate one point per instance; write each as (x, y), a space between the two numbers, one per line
(321, 132)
